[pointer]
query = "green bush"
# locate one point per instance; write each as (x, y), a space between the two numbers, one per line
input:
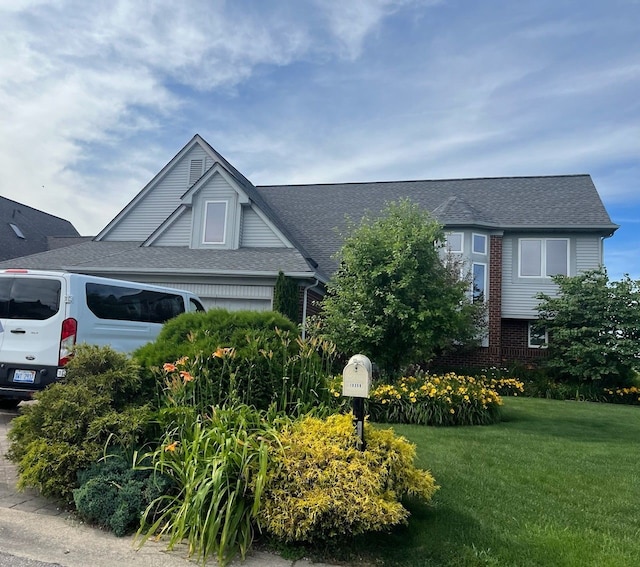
(255, 357)
(72, 421)
(112, 495)
(321, 486)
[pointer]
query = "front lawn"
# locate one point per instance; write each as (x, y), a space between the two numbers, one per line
(555, 484)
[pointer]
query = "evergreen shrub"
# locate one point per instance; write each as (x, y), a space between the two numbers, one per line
(321, 485)
(99, 402)
(114, 496)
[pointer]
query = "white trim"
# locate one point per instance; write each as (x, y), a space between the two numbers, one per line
(484, 283)
(486, 240)
(543, 256)
(546, 337)
(224, 224)
(447, 246)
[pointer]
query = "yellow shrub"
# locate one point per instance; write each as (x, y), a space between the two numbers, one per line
(321, 485)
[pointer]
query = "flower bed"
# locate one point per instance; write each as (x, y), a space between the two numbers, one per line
(448, 399)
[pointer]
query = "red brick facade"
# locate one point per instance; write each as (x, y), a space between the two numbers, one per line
(508, 338)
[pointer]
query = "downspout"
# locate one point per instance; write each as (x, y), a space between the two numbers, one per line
(304, 307)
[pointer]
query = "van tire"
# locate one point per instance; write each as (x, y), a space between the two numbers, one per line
(9, 403)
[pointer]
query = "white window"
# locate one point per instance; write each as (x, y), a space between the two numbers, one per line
(537, 337)
(453, 242)
(215, 222)
(479, 244)
(479, 283)
(543, 257)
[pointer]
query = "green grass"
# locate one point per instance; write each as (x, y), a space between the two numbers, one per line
(555, 484)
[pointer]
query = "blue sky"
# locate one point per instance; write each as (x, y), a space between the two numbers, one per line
(96, 97)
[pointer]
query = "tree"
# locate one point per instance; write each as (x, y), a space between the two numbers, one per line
(594, 328)
(285, 297)
(393, 298)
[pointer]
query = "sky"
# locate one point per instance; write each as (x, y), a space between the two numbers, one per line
(96, 97)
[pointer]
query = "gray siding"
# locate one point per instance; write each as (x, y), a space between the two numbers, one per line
(519, 295)
(178, 234)
(256, 233)
(588, 253)
(154, 208)
(229, 295)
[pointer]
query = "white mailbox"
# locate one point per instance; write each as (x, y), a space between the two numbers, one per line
(356, 377)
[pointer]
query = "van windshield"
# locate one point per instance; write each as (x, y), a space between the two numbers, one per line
(29, 298)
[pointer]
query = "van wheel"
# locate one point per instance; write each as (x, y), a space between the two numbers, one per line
(9, 403)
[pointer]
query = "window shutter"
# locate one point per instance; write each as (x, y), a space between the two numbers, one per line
(195, 171)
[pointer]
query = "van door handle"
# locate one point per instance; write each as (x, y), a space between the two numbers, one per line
(18, 331)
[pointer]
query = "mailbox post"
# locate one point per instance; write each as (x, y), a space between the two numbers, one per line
(356, 382)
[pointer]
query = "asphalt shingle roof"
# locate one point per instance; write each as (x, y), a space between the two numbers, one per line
(36, 226)
(316, 214)
(131, 257)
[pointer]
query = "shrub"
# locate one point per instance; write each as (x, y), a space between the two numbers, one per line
(320, 485)
(448, 399)
(218, 465)
(112, 495)
(67, 429)
(257, 358)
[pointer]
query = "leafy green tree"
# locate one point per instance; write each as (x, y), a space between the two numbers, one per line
(393, 298)
(594, 328)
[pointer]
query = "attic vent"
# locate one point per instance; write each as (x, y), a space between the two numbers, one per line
(17, 230)
(195, 171)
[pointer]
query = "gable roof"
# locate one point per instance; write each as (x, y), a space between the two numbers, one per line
(317, 213)
(32, 229)
(312, 218)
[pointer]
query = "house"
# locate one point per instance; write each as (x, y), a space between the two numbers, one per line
(25, 230)
(201, 225)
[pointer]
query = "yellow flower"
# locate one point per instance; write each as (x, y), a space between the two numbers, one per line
(171, 447)
(452, 410)
(168, 367)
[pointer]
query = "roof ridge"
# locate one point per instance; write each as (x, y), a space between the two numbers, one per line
(443, 180)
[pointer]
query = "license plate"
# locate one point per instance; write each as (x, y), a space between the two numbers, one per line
(24, 376)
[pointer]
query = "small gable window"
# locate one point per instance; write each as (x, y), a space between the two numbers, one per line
(215, 222)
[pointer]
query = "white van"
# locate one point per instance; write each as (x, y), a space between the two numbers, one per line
(44, 314)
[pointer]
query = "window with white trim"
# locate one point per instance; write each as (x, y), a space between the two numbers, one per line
(215, 222)
(543, 257)
(454, 242)
(479, 243)
(479, 282)
(537, 337)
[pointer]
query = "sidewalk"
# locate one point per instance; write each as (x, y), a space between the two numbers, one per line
(35, 528)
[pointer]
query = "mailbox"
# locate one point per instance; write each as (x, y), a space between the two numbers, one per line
(356, 377)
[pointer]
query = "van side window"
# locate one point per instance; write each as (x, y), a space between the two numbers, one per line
(131, 304)
(195, 305)
(29, 298)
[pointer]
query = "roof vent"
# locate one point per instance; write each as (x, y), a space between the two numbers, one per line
(195, 170)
